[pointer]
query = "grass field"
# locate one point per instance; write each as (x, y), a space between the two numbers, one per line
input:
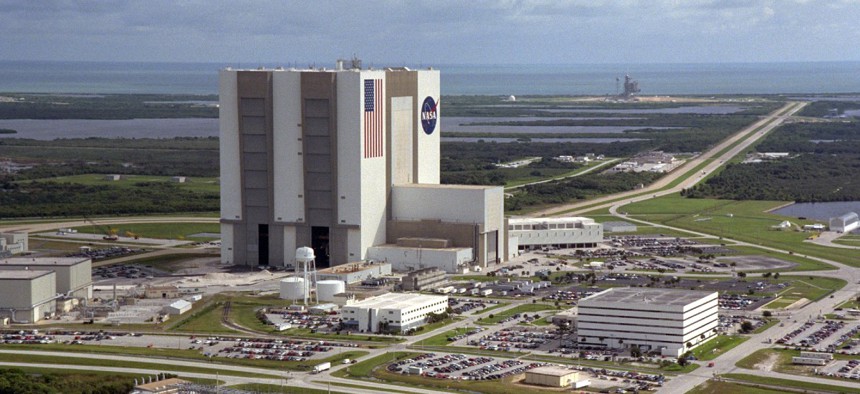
(200, 184)
(268, 388)
(715, 387)
(442, 339)
(742, 220)
(793, 384)
(364, 368)
(717, 346)
(94, 362)
(158, 230)
(524, 308)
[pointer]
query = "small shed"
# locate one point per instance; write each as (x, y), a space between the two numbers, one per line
(113, 177)
(179, 179)
(178, 307)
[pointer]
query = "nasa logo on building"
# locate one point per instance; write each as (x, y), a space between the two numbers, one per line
(428, 115)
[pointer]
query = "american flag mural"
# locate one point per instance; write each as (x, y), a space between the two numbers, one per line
(373, 118)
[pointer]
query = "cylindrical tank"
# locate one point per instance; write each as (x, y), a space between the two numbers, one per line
(326, 289)
(293, 288)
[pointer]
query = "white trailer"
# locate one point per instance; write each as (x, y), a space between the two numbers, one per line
(486, 292)
(322, 367)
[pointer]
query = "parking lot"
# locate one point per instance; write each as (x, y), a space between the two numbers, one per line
(823, 336)
(229, 347)
(846, 369)
(466, 367)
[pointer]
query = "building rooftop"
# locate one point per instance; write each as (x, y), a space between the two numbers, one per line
(444, 186)
(161, 384)
(22, 274)
(641, 295)
(397, 300)
(551, 371)
(571, 219)
(43, 261)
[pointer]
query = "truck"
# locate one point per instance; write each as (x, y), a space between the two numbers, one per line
(322, 367)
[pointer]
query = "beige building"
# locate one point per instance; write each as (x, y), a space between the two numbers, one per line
(162, 292)
(74, 274)
(27, 296)
(424, 279)
(551, 376)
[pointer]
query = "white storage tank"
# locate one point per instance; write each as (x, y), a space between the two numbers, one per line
(293, 289)
(326, 289)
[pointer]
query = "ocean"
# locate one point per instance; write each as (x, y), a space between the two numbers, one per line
(575, 79)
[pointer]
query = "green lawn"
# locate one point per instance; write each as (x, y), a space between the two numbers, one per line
(158, 230)
(794, 384)
(442, 339)
(715, 387)
(205, 320)
(524, 308)
(717, 346)
(94, 362)
(741, 220)
(269, 388)
(364, 368)
(201, 184)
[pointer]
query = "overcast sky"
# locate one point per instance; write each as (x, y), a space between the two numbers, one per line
(432, 32)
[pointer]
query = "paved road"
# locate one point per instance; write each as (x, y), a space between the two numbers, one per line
(766, 124)
(47, 226)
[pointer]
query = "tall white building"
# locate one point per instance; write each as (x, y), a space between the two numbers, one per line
(669, 320)
(336, 160)
(392, 312)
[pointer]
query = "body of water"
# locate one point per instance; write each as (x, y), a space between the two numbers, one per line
(575, 79)
(819, 210)
(547, 140)
(49, 129)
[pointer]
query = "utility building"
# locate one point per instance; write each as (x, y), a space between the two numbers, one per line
(563, 233)
(845, 223)
(669, 320)
(74, 274)
(342, 161)
(27, 296)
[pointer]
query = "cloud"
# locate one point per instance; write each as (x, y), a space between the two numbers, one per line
(442, 31)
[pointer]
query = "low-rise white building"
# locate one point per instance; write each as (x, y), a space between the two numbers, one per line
(15, 242)
(178, 307)
(537, 233)
(392, 312)
(845, 223)
(669, 320)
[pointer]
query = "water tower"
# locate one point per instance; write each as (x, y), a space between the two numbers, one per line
(306, 264)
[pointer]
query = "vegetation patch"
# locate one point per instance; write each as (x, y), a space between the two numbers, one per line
(717, 346)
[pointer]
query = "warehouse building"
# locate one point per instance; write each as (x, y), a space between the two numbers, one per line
(424, 279)
(552, 376)
(669, 320)
(392, 312)
(345, 161)
(562, 233)
(15, 242)
(27, 296)
(74, 274)
(845, 223)
(355, 272)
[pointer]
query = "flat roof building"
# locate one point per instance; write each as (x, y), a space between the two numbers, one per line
(424, 279)
(551, 376)
(392, 312)
(671, 321)
(567, 232)
(341, 161)
(27, 296)
(74, 274)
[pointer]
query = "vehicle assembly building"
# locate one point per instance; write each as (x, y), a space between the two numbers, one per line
(667, 320)
(345, 161)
